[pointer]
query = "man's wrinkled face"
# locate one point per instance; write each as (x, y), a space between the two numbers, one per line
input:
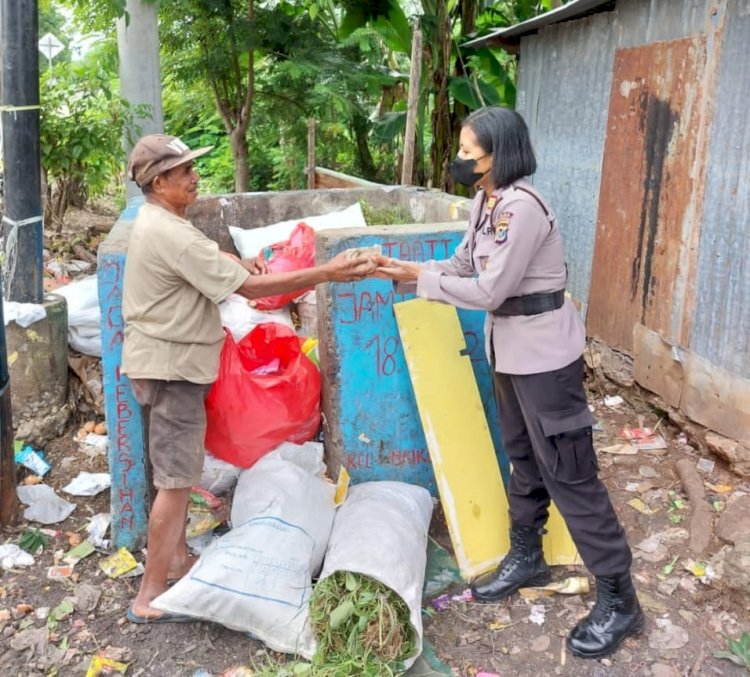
(178, 187)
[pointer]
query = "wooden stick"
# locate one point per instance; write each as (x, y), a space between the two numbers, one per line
(415, 74)
(701, 521)
(310, 154)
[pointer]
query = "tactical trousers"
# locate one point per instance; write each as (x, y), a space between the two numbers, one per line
(546, 430)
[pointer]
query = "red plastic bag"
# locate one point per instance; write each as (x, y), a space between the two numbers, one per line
(296, 253)
(268, 392)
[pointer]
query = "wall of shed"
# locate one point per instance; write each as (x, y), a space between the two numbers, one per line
(565, 82)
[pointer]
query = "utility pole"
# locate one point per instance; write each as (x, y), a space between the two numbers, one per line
(8, 502)
(22, 222)
(22, 228)
(140, 72)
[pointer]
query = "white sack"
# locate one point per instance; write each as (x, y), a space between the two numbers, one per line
(240, 317)
(381, 531)
(249, 242)
(258, 577)
(84, 317)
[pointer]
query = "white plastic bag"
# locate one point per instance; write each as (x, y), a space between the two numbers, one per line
(88, 484)
(249, 242)
(84, 328)
(240, 317)
(258, 577)
(45, 505)
(23, 314)
(381, 531)
(219, 477)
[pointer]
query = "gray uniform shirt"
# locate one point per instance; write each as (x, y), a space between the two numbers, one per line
(511, 248)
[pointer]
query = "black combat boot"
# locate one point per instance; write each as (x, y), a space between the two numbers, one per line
(523, 566)
(615, 616)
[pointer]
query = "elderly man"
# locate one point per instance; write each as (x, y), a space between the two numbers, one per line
(174, 278)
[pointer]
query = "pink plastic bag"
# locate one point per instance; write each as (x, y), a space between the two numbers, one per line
(268, 392)
(296, 253)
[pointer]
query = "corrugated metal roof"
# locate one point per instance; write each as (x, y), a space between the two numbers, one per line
(511, 35)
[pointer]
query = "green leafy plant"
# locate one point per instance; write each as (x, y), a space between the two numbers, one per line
(739, 650)
(82, 123)
(362, 627)
(32, 540)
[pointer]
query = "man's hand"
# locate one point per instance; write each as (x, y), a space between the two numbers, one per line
(255, 266)
(394, 269)
(345, 268)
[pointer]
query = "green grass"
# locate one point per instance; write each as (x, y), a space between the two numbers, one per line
(386, 216)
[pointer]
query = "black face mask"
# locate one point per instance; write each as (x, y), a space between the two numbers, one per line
(463, 172)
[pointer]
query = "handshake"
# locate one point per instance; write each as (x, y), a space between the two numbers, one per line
(352, 265)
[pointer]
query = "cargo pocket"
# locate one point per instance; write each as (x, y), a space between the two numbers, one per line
(569, 457)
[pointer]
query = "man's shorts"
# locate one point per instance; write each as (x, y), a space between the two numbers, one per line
(175, 413)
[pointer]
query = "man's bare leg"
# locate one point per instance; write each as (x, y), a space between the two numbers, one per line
(164, 534)
(182, 561)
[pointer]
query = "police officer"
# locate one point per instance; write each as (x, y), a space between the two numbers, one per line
(511, 264)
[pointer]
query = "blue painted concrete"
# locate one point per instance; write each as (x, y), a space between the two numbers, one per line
(129, 493)
(376, 430)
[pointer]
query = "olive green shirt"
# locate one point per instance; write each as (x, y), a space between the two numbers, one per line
(174, 278)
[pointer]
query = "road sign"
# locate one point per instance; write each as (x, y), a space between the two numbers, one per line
(50, 46)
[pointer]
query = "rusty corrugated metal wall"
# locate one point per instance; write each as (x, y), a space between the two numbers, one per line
(639, 117)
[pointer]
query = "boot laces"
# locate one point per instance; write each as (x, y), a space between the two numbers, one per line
(606, 600)
(517, 553)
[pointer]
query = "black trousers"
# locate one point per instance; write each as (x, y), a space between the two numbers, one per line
(545, 425)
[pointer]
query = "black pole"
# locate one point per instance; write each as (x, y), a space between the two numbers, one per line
(8, 499)
(19, 52)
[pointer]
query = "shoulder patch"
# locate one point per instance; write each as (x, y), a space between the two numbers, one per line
(502, 225)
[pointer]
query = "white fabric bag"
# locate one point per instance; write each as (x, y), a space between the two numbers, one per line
(84, 317)
(250, 241)
(258, 577)
(381, 531)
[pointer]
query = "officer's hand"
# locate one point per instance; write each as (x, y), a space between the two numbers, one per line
(394, 269)
(345, 268)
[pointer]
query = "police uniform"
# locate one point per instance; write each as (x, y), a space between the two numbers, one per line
(511, 264)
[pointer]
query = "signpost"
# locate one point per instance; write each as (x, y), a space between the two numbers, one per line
(50, 46)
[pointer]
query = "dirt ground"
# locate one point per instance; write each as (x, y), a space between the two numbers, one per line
(687, 619)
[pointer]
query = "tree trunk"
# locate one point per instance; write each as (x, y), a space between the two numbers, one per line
(238, 143)
(468, 17)
(440, 154)
(364, 156)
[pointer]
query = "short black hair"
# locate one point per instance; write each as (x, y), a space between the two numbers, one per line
(148, 188)
(503, 133)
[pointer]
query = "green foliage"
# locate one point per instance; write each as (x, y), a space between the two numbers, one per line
(33, 540)
(739, 651)
(82, 122)
(387, 216)
(362, 627)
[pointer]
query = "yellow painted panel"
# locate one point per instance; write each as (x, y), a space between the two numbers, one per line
(458, 438)
(557, 543)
